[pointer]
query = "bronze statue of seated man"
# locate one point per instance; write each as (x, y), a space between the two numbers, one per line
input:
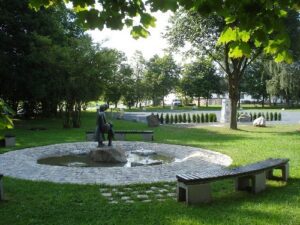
(103, 127)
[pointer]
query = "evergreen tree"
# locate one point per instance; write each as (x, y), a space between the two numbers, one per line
(176, 118)
(198, 118)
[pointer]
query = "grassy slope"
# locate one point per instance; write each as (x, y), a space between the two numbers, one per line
(47, 203)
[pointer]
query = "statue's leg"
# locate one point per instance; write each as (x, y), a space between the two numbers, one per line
(100, 139)
(110, 135)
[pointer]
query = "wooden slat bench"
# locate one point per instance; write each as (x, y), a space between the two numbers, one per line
(147, 135)
(1, 188)
(195, 187)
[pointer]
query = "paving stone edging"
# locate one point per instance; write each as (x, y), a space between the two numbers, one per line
(23, 164)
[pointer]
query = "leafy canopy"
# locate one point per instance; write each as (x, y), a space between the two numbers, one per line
(244, 19)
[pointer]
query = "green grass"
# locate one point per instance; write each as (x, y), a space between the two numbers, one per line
(29, 202)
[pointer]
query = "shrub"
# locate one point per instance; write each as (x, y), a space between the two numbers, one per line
(237, 115)
(202, 118)
(198, 118)
(251, 116)
(215, 118)
(263, 115)
(279, 116)
(259, 114)
(211, 117)
(184, 118)
(189, 118)
(176, 118)
(161, 118)
(157, 116)
(194, 118)
(267, 116)
(254, 116)
(180, 118)
(271, 116)
(171, 119)
(167, 118)
(206, 118)
(275, 116)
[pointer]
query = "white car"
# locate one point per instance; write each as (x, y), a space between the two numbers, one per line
(176, 102)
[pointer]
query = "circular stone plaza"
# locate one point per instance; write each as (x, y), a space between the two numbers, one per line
(23, 164)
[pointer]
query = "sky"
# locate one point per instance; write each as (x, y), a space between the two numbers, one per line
(122, 40)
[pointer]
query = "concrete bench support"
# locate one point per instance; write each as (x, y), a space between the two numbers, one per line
(284, 173)
(254, 183)
(194, 187)
(193, 193)
(1, 188)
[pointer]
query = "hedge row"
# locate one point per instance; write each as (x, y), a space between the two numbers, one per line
(186, 118)
(269, 116)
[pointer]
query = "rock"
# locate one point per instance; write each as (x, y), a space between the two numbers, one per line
(146, 162)
(152, 121)
(108, 154)
(144, 152)
(244, 117)
(259, 122)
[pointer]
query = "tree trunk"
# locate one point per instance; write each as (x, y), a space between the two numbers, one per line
(234, 98)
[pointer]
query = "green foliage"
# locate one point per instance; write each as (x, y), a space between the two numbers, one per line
(215, 118)
(176, 118)
(167, 119)
(254, 116)
(267, 116)
(184, 118)
(251, 116)
(180, 119)
(161, 118)
(259, 114)
(198, 118)
(194, 118)
(206, 118)
(171, 119)
(275, 116)
(271, 116)
(5, 116)
(202, 118)
(279, 116)
(189, 118)
(157, 116)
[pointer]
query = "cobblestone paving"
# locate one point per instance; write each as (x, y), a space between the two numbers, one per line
(121, 195)
(23, 164)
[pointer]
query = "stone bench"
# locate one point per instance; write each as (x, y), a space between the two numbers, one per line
(195, 188)
(1, 188)
(147, 135)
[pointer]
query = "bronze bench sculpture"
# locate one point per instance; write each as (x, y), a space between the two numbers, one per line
(195, 188)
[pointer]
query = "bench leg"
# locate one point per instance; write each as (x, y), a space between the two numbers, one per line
(120, 137)
(194, 193)
(1, 190)
(254, 183)
(284, 173)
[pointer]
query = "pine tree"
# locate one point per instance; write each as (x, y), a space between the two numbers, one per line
(198, 118)
(171, 119)
(184, 118)
(176, 118)
(194, 118)
(189, 118)
(167, 118)
(162, 118)
(180, 118)
(202, 118)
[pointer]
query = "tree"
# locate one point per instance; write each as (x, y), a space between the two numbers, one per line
(161, 77)
(139, 69)
(255, 80)
(5, 116)
(250, 27)
(201, 80)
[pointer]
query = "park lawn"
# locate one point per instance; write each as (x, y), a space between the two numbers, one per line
(45, 203)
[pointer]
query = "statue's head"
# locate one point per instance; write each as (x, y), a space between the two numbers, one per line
(103, 107)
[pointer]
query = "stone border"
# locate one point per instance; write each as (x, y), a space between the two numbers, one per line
(23, 164)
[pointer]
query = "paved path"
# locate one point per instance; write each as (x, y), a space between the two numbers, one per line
(23, 164)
